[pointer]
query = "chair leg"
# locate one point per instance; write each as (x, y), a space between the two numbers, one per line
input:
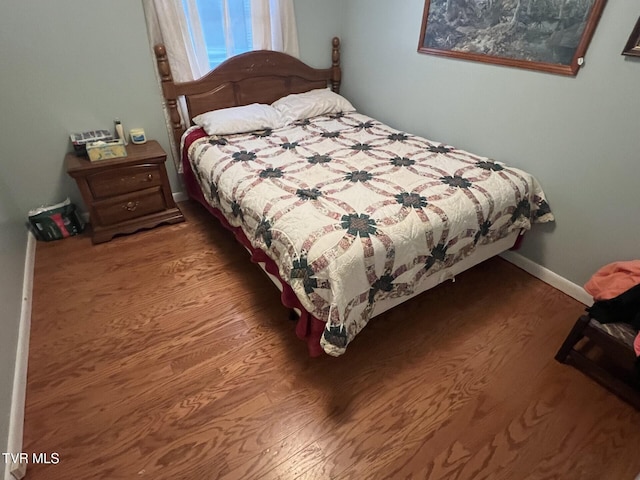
(577, 332)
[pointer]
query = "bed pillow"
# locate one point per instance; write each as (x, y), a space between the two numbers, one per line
(247, 118)
(299, 106)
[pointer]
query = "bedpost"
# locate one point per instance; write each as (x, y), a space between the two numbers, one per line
(169, 91)
(336, 75)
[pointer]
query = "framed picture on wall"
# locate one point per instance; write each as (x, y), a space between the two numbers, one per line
(545, 35)
(633, 44)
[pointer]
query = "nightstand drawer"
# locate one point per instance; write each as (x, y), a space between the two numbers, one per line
(124, 180)
(128, 207)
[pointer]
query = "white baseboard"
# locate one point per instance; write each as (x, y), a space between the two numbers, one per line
(16, 419)
(549, 277)
(180, 197)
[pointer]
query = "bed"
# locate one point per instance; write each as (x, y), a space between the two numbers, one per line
(348, 216)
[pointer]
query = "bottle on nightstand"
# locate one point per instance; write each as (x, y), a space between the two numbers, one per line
(120, 131)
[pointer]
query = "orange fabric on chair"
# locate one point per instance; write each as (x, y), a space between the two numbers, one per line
(613, 280)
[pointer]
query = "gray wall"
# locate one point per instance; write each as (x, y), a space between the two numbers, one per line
(318, 22)
(577, 135)
(13, 241)
(70, 65)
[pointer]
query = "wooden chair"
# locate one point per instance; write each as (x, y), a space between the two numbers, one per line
(605, 353)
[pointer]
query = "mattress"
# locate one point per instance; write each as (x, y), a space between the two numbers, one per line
(356, 214)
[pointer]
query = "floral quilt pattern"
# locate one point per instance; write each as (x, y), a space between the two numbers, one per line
(353, 211)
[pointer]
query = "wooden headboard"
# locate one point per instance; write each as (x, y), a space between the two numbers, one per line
(260, 76)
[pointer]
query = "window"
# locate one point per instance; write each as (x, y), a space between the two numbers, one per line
(226, 27)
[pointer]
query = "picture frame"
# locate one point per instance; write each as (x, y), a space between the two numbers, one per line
(632, 48)
(544, 35)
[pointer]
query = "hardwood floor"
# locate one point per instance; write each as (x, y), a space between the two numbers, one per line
(166, 355)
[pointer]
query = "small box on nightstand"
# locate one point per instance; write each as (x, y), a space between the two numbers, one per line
(104, 150)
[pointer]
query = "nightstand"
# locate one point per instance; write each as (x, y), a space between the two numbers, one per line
(125, 194)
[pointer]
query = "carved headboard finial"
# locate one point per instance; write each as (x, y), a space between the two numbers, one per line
(336, 76)
(163, 63)
(169, 91)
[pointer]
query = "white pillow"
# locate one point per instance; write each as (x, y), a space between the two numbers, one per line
(247, 118)
(322, 101)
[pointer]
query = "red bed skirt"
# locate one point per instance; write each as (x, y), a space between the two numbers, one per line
(308, 327)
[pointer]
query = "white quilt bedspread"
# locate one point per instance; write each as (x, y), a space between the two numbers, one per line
(353, 211)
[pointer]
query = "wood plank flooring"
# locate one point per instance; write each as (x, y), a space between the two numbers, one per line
(166, 355)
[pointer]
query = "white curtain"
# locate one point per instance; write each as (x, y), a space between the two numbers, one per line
(273, 25)
(180, 30)
(168, 23)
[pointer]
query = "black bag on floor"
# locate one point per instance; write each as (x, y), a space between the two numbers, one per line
(55, 221)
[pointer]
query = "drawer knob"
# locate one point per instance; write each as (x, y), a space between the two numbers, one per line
(149, 177)
(130, 206)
